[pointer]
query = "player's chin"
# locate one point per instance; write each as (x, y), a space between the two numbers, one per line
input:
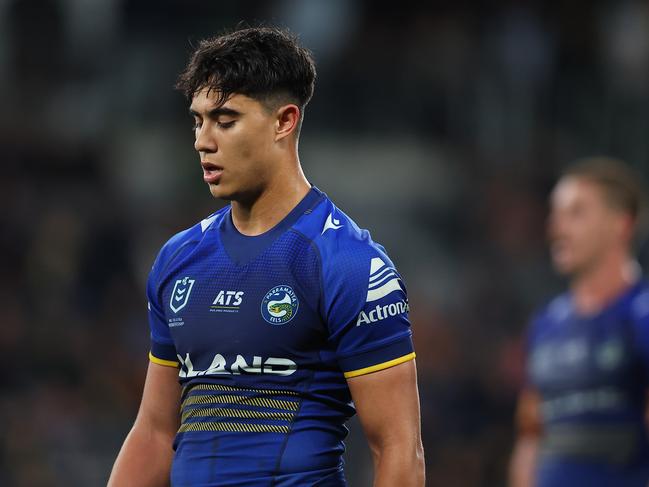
(563, 269)
(219, 191)
(563, 263)
(572, 267)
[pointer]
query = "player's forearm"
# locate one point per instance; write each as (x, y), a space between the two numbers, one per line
(401, 465)
(144, 460)
(523, 462)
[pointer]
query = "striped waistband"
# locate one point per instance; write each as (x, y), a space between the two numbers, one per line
(216, 407)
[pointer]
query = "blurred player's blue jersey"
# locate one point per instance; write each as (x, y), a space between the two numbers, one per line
(592, 375)
(266, 330)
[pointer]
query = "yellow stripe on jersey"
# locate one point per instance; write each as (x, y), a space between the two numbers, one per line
(377, 367)
(221, 387)
(207, 399)
(235, 413)
(234, 427)
(227, 408)
(159, 361)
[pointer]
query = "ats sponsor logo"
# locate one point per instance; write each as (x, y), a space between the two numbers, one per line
(227, 302)
(240, 365)
(380, 312)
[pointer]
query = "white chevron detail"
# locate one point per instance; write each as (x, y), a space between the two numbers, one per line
(375, 265)
(207, 222)
(387, 288)
(383, 276)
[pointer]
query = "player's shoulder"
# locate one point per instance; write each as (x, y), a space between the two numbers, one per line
(639, 302)
(553, 312)
(557, 309)
(337, 236)
(350, 260)
(187, 238)
(639, 312)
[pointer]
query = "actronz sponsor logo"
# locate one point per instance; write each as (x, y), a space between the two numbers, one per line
(381, 312)
(220, 366)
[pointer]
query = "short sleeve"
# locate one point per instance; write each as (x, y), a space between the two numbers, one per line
(640, 310)
(366, 310)
(529, 338)
(163, 351)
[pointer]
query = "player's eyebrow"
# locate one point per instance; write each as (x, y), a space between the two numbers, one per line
(217, 112)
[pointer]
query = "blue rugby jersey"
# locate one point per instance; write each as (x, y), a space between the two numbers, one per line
(592, 376)
(265, 331)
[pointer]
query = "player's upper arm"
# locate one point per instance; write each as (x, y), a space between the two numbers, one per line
(387, 403)
(528, 420)
(365, 304)
(160, 401)
(528, 413)
(146, 455)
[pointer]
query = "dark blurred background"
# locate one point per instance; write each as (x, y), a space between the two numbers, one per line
(440, 127)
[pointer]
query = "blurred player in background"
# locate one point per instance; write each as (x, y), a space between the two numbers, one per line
(274, 312)
(581, 417)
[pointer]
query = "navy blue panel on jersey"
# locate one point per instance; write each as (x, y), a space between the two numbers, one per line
(592, 376)
(242, 248)
(266, 331)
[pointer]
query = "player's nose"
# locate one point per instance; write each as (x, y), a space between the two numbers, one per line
(204, 142)
(554, 232)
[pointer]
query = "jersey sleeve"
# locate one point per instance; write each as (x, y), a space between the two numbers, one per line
(529, 337)
(366, 310)
(163, 351)
(640, 311)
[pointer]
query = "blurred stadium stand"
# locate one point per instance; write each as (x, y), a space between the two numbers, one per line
(440, 128)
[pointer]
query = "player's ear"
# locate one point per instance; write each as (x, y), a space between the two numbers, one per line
(288, 118)
(626, 224)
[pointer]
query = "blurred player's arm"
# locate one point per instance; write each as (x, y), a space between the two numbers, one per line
(387, 403)
(145, 457)
(524, 456)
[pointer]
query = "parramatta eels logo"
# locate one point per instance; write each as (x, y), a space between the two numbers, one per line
(279, 305)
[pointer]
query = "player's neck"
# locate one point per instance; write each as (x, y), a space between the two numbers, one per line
(271, 206)
(605, 281)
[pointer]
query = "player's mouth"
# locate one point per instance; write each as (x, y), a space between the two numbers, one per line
(560, 249)
(211, 172)
(557, 246)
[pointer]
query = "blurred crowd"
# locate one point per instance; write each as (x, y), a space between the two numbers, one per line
(440, 127)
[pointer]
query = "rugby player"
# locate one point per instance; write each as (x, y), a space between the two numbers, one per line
(581, 417)
(276, 318)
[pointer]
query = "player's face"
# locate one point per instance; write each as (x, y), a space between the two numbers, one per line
(582, 227)
(235, 144)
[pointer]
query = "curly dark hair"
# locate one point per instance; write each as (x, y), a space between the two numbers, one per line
(264, 63)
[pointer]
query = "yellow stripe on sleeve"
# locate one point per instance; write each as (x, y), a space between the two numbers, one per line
(377, 367)
(159, 361)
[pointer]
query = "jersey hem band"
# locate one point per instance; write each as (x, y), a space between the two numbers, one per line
(159, 361)
(382, 366)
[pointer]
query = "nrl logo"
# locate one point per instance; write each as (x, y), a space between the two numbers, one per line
(180, 294)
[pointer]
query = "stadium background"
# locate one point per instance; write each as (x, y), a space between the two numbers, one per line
(439, 127)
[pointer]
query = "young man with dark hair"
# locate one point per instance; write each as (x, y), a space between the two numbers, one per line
(582, 414)
(276, 311)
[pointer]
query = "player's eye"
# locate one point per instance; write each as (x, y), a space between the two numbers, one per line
(226, 125)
